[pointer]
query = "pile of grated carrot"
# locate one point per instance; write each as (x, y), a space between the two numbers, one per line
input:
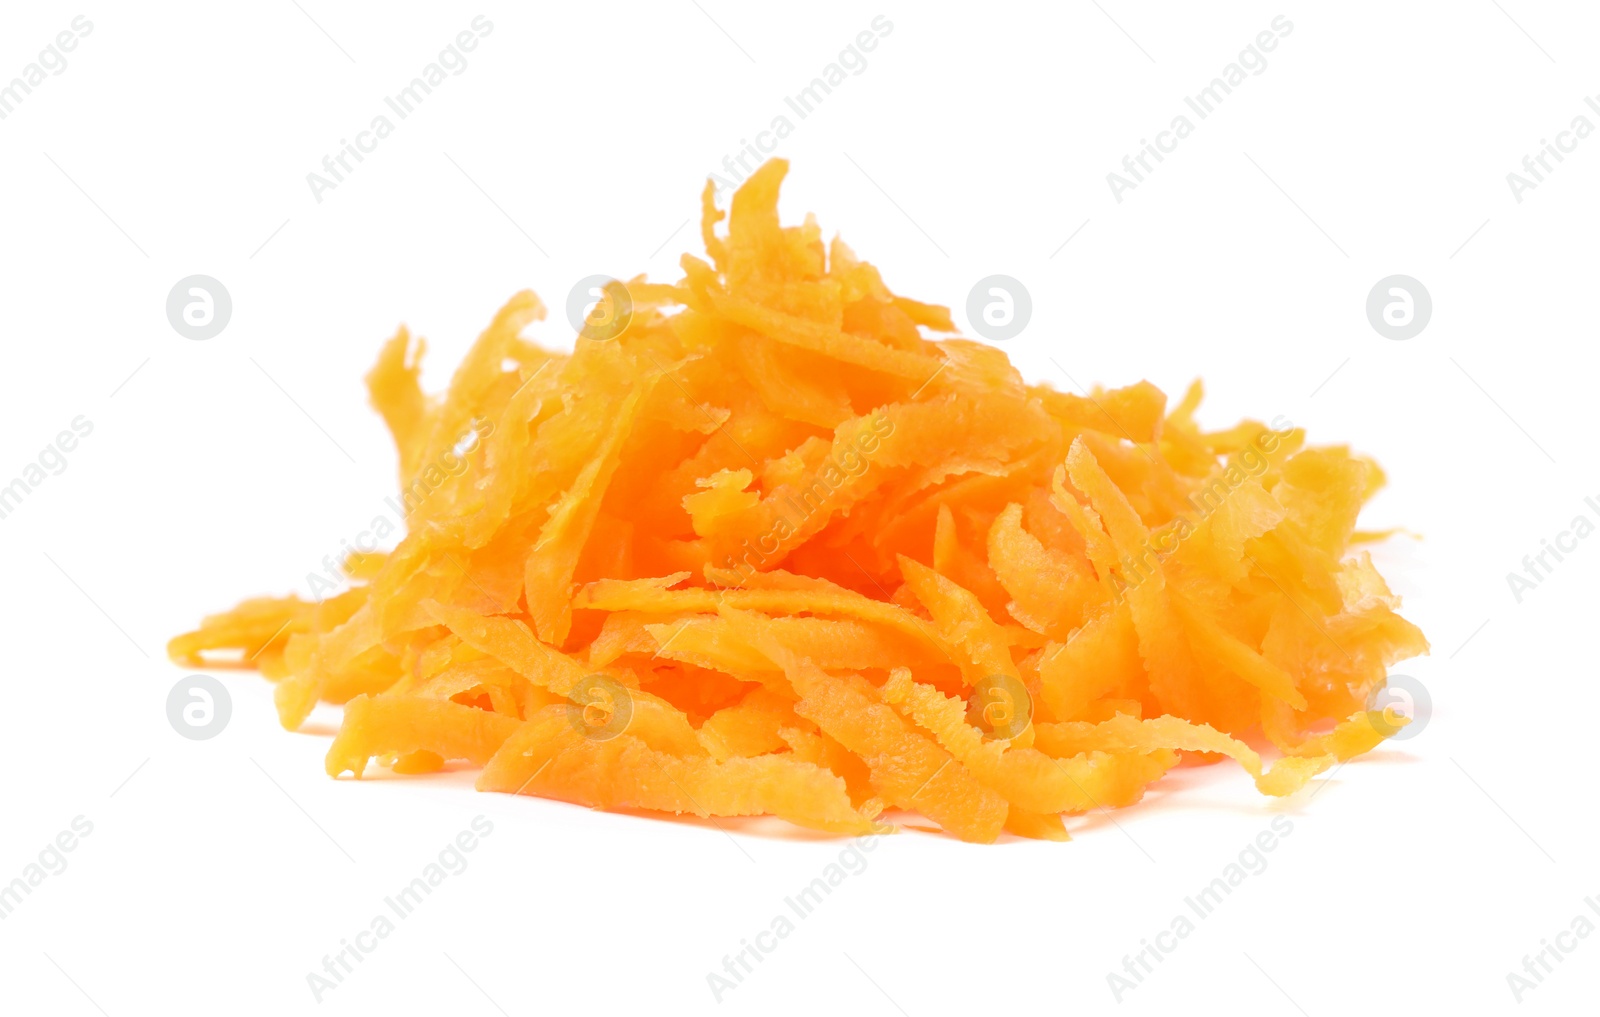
(772, 551)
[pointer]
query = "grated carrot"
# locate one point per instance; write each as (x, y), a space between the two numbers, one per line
(770, 549)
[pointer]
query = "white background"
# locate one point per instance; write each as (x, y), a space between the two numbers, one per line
(976, 141)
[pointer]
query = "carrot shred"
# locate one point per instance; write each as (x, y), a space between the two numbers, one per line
(776, 549)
